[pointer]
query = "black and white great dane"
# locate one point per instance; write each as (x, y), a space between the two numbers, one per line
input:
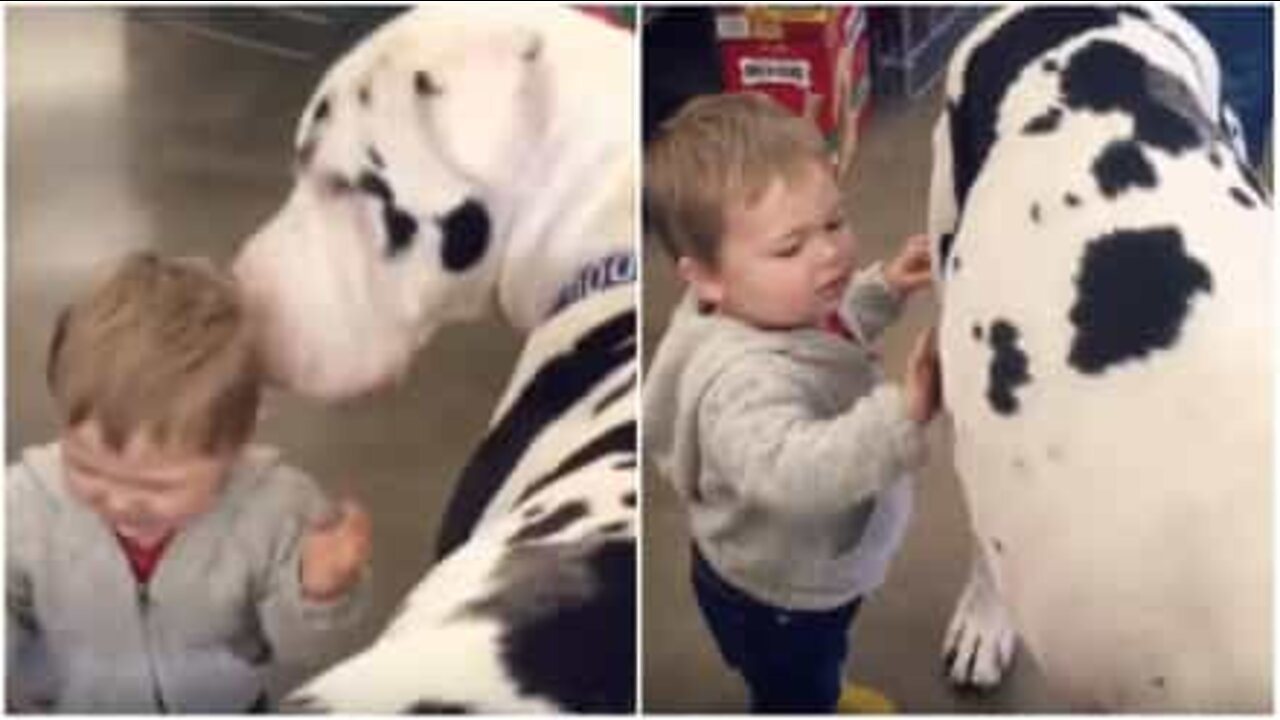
(462, 155)
(1104, 260)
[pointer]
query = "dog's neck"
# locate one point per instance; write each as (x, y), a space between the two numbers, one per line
(578, 216)
(571, 201)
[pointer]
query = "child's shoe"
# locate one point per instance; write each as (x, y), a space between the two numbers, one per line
(862, 700)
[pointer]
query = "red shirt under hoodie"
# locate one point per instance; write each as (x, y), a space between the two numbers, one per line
(143, 560)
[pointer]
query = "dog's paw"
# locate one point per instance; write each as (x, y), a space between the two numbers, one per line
(978, 648)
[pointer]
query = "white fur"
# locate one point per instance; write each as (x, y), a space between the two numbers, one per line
(1134, 507)
(535, 121)
(435, 650)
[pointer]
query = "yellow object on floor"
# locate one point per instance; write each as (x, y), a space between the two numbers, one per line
(862, 700)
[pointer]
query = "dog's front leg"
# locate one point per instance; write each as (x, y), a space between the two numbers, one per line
(978, 648)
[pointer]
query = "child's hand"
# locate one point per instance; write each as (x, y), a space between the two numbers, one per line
(911, 269)
(924, 378)
(334, 550)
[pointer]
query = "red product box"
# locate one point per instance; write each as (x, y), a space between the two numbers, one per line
(815, 61)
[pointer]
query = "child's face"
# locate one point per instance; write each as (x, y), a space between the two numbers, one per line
(145, 492)
(784, 261)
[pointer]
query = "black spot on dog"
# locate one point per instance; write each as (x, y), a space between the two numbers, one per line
(945, 241)
(1043, 123)
(1250, 179)
(1121, 167)
(1134, 11)
(992, 68)
(321, 112)
(629, 498)
(1050, 66)
(399, 226)
(1158, 682)
(1008, 368)
(373, 184)
(1035, 213)
(620, 438)
(955, 264)
(616, 394)
(1107, 77)
(1071, 199)
(563, 380)
(532, 511)
(425, 85)
(554, 522)
(977, 331)
(625, 464)
(363, 96)
(1241, 197)
(375, 158)
(432, 707)
(1133, 292)
(587, 682)
(1215, 158)
(614, 527)
(466, 235)
(997, 545)
(569, 615)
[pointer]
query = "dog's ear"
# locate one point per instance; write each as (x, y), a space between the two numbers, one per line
(488, 109)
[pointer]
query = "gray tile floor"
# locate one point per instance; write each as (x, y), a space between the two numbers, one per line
(126, 132)
(897, 637)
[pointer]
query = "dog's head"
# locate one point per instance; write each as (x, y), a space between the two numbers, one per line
(393, 225)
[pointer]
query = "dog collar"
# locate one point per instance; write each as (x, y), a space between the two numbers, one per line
(596, 276)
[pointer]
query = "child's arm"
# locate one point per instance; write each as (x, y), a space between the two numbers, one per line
(758, 431)
(20, 624)
(28, 686)
(301, 624)
(875, 297)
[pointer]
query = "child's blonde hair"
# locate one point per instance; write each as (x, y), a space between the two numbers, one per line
(718, 151)
(162, 346)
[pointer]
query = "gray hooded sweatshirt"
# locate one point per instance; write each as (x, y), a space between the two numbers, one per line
(224, 602)
(788, 450)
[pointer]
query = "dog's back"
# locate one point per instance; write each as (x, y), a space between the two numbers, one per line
(1105, 262)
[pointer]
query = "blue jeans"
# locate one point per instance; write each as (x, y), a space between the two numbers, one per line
(792, 660)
